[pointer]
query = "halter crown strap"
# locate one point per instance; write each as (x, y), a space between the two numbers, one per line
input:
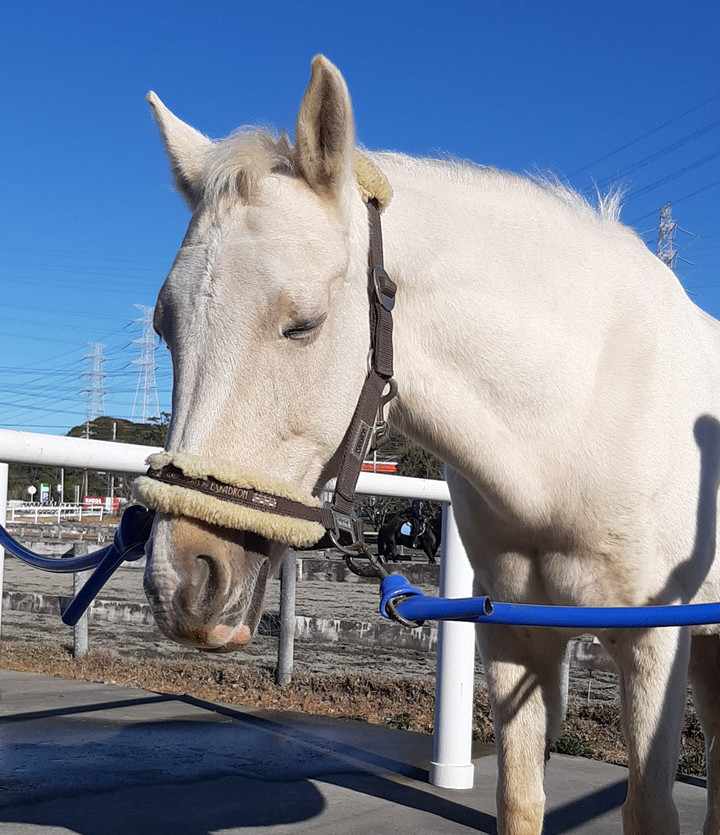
(381, 290)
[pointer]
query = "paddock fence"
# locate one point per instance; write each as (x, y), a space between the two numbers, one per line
(35, 511)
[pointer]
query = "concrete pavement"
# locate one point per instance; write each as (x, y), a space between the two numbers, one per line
(93, 759)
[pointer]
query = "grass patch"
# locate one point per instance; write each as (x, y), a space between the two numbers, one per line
(574, 744)
(401, 722)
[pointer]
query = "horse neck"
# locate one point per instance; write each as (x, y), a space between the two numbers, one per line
(507, 296)
(434, 244)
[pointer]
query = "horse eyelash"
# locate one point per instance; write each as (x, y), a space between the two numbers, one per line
(302, 330)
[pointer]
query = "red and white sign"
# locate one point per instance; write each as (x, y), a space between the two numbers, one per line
(110, 505)
(380, 467)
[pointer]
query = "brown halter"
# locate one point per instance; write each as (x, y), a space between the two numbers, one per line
(368, 428)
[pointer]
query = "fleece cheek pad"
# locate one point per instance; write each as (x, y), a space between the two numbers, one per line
(177, 500)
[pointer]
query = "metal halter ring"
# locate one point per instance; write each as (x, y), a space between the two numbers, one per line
(393, 614)
(376, 564)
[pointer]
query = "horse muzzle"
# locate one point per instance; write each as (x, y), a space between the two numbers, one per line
(206, 584)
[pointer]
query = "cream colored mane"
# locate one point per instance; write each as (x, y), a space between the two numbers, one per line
(234, 166)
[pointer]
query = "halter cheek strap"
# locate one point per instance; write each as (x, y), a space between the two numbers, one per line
(185, 485)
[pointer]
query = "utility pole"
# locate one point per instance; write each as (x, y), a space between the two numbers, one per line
(146, 391)
(84, 490)
(112, 475)
(667, 227)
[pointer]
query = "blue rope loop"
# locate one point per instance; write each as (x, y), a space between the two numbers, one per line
(133, 532)
(128, 545)
(396, 589)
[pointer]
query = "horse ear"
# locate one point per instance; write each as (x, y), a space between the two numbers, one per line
(325, 135)
(185, 147)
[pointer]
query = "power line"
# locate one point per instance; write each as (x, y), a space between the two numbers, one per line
(673, 176)
(677, 200)
(645, 135)
(658, 154)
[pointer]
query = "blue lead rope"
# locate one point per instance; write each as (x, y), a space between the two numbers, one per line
(398, 597)
(128, 545)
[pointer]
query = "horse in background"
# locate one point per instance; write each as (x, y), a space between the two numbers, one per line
(416, 528)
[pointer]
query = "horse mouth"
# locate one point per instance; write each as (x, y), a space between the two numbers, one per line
(224, 638)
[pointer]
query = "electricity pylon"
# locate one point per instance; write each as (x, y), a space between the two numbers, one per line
(146, 403)
(95, 390)
(667, 227)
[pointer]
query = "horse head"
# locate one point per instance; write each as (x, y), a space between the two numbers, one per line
(265, 314)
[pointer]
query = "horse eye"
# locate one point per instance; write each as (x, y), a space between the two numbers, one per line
(302, 330)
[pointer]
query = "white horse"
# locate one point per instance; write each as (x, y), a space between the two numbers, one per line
(540, 349)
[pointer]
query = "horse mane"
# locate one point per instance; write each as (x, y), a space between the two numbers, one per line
(605, 208)
(235, 165)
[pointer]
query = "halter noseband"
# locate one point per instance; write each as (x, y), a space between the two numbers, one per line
(185, 485)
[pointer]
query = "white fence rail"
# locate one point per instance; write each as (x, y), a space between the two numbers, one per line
(451, 766)
(34, 511)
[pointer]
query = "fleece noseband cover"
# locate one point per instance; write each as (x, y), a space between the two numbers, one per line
(188, 485)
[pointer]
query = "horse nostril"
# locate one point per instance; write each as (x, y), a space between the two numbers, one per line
(209, 584)
(257, 544)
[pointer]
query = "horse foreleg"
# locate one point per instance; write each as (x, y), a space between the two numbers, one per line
(653, 667)
(526, 672)
(705, 676)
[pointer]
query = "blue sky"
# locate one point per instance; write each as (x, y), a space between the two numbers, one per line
(595, 92)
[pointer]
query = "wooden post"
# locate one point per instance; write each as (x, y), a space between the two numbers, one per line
(286, 641)
(80, 630)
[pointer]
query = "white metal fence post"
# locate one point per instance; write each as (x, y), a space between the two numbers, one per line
(81, 640)
(286, 639)
(3, 518)
(452, 766)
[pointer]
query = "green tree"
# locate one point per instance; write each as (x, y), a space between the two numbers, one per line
(412, 460)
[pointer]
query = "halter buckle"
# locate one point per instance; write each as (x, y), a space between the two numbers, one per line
(381, 430)
(345, 524)
(385, 287)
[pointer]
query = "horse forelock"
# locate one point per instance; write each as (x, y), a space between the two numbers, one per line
(234, 166)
